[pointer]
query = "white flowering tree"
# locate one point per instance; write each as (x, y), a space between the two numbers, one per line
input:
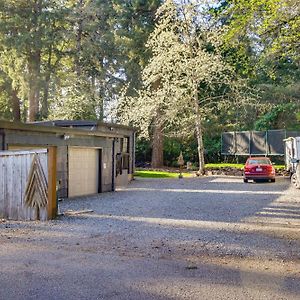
(186, 79)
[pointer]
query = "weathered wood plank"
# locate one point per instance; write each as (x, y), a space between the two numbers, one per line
(9, 185)
(14, 172)
(22, 152)
(5, 191)
(31, 215)
(33, 211)
(23, 170)
(17, 181)
(27, 161)
(44, 164)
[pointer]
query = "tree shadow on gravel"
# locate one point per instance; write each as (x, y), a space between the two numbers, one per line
(138, 244)
(73, 274)
(204, 200)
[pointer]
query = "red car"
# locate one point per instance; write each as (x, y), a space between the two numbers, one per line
(259, 168)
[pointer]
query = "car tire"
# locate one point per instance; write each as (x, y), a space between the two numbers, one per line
(273, 180)
(294, 181)
(245, 180)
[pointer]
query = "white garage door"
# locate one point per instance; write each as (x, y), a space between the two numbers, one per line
(83, 171)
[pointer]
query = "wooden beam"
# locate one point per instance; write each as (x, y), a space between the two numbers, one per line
(52, 199)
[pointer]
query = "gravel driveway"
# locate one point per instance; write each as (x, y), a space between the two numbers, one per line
(195, 238)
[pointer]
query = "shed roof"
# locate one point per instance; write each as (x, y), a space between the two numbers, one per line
(67, 129)
(83, 123)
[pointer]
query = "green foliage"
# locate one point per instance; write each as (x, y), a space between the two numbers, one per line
(212, 147)
(186, 80)
(280, 116)
(27, 33)
(172, 148)
(73, 57)
(133, 22)
(142, 151)
(5, 112)
(263, 36)
(224, 165)
(77, 103)
(256, 45)
(100, 43)
(274, 25)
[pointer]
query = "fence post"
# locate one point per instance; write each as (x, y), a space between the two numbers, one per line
(52, 206)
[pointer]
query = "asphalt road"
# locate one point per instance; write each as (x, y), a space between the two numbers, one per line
(199, 238)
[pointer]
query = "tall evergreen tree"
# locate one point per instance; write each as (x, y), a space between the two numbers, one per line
(73, 53)
(185, 79)
(262, 39)
(27, 30)
(133, 22)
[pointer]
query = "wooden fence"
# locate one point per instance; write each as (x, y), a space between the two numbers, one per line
(24, 178)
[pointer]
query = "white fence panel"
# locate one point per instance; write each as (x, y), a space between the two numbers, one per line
(14, 172)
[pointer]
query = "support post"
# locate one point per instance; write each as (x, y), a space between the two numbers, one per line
(113, 166)
(52, 205)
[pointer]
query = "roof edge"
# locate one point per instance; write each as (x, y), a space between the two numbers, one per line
(78, 123)
(54, 129)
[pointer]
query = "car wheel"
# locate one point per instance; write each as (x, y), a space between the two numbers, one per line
(245, 180)
(273, 180)
(294, 181)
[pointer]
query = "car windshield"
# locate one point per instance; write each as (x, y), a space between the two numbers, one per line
(263, 161)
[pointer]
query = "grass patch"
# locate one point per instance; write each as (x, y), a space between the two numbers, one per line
(159, 174)
(279, 167)
(170, 174)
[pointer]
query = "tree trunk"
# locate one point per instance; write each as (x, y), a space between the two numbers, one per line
(101, 94)
(98, 97)
(34, 86)
(101, 109)
(199, 136)
(15, 105)
(45, 106)
(34, 67)
(79, 38)
(157, 160)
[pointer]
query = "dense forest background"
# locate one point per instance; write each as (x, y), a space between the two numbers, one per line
(235, 62)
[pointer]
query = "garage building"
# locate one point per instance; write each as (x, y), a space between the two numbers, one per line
(92, 157)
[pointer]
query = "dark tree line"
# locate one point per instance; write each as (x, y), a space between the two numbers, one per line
(67, 59)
